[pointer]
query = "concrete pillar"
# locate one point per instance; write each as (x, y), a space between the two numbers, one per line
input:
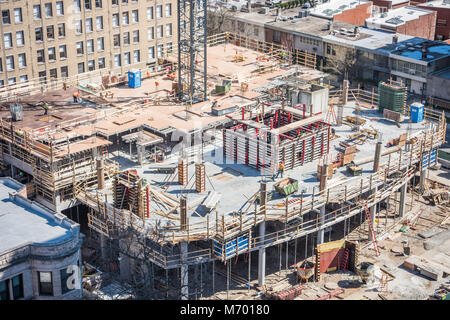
(183, 213)
(372, 215)
(124, 261)
(262, 256)
(100, 174)
(262, 232)
(103, 242)
(423, 173)
(184, 272)
(323, 186)
(13, 171)
(376, 162)
(402, 200)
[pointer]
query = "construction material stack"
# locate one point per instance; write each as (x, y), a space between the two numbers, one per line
(392, 96)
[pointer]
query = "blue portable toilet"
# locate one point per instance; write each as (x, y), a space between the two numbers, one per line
(134, 78)
(417, 110)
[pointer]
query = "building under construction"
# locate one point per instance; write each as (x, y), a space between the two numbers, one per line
(178, 193)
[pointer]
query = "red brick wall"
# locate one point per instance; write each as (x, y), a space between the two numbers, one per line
(424, 27)
(443, 15)
(357, 15)
(388, 4)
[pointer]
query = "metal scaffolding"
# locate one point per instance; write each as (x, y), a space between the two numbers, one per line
(192, 42)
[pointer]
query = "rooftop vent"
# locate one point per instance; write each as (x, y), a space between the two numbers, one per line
(395, 21)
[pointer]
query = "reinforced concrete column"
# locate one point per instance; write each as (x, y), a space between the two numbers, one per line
(262, 256)
(372, 214)
(401, 212)
(100, 174)
(323, 186)
(103, 241)
(376, 162)
(262, 232)
(184, 272)
(124, 260)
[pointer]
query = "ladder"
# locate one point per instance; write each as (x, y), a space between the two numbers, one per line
(331, 115)
(372, 231)
(345, 261)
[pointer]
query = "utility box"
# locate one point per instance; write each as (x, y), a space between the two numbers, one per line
(417, 110)
(16, 112)
(134, 78)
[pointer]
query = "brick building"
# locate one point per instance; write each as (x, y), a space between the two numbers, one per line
(412, 21)
(350, 11)
(390, 4)
(39, 38)
(442, 7)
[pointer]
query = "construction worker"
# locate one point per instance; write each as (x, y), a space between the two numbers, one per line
(283, 55)
(280, 170)
(45, 107)
(19, 133)
(76, 96)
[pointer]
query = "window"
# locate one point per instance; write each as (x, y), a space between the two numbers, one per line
(18, 15)
(42, 76)
(255, 31)
(50, 33)
(99, 23)
(37, 11)
(7, 37)
(135, 36)
(117, 60)
(116, 40)
(136, 56)
(61, 30)
(168, 29)
(89, 27)
(40, 56)
(22, 60)
(101, 63)
(78, 26)
(45, 278)
(126, 58)
(87, 4)
(126, 38)
(11, 80)
(159, 51)
(125, 18)
(115, 2)
(20, 39)
(4, 290)
(59, 8)
(51, 54)
(53, 74)
(23, 78)
(100, 44)
(168, 9)
(135, 16)
(169, 47)
(159, 11)
(64, 72)
(151, 53)
(79, 46)
(159, 32)
(6, 18)
(38, 33)
(98, 3)
(81, 67)
(90, 46)
(77, 5)
(48, 10)
(17, 282)
(115, 20)
(91, 65)
(63, 51)
(150, 13)
(9, 63)
(151, 33)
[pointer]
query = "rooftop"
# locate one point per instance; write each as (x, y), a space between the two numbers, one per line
(436, 4)
(396, 17)
(23, 222)
(412, 49)
(333, 7)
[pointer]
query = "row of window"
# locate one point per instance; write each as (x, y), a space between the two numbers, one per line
(12, 289)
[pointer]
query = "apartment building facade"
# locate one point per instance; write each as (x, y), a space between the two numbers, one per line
(56, 39)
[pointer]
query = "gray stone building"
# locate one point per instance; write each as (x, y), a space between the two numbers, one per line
(40, 254)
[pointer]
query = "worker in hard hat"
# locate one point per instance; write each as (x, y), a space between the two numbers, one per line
(76, 96)
(19, 133)
(280, 169)
(45, 107)
(283, 55)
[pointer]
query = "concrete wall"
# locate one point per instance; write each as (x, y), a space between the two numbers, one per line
(438, 87)
(358, 15)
